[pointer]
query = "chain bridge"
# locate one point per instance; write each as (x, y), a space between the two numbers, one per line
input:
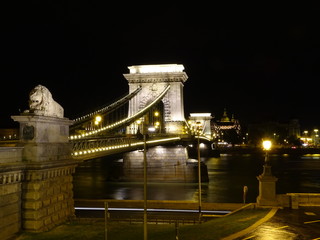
(36, 179)
(153, 107)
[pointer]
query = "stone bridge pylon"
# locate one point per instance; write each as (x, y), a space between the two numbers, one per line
(36, 176)
(168, 116)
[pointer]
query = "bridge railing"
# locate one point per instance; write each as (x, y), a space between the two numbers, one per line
(98, 147)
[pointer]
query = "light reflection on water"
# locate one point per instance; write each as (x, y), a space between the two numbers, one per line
(228, 174)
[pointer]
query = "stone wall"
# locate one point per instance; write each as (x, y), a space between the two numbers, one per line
(36, 189)
(295, 200)
(47, 197)
(11, 177)
(164, 164)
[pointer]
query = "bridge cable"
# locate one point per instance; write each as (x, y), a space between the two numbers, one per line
(126, 121)
(106, 109)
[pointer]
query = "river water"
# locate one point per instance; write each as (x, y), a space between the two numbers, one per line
(228, 174)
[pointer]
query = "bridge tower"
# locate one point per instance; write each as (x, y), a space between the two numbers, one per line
(168, 116)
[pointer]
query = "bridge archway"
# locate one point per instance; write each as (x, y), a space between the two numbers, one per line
(153, 79)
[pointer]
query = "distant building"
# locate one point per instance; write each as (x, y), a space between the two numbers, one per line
(9, 133)
(226, 130)
(294, 128)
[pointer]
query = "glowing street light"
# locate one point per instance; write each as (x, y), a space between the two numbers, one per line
(267, 182)
(315, 137)
(266, 146)
(97, 120)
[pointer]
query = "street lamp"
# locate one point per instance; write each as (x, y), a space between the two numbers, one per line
(145, 221)
(97, 120)
(199, 170)
(315, 137)
(306, 137)
(266, 146)
(266, 167)
(267, 182)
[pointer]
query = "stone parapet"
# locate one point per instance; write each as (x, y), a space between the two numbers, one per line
(10, 154)
(303, 199)
(43, 152)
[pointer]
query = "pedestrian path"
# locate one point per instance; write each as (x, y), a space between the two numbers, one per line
(236, 235)
(288, 223)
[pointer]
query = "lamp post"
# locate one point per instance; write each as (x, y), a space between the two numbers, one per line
(315, 137)
(267, 182)
(306, 137)
(199, 171)
(266, 167)
(266, 146)
(145, 220)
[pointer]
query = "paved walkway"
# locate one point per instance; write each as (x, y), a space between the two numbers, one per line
(293, 224)
(252, 227)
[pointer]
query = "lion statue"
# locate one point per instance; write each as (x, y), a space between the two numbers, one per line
(42, 103)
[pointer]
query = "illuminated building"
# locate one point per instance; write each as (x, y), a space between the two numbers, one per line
(226, 130)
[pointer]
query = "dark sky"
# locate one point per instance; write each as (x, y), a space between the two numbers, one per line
(260, 62)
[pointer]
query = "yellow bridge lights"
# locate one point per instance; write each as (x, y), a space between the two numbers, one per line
(97, 120)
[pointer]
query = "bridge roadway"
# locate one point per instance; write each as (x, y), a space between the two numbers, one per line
(99, 147)
(90, 148)
(85, 149)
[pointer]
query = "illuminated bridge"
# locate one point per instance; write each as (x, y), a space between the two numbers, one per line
(153, 107)
(37, 169)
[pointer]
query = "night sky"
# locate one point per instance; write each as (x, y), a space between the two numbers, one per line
(261, 63)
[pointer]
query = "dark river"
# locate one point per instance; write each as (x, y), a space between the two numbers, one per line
(228, 174)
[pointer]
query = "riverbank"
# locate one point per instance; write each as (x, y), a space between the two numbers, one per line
(276, 150)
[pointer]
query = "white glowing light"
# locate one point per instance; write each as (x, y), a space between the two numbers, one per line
(266, 145)
(151, 129)
(200, 114)
(160, 68)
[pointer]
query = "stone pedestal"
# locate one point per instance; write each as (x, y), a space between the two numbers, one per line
(44, 138)
(267, 188)
(47, 195)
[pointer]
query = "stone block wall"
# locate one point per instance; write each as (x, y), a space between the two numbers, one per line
(164, 164)
(47, 198)
(10, 155)
(10, 203)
